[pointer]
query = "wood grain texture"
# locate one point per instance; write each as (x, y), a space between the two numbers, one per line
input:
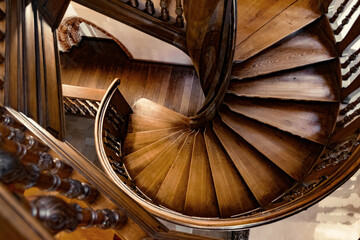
(140, 123)
(139, 160)
(172, 192)
(200, 194)
(175, 87)
(152, 177)
(294, 155)
(311, 83)
(137, 140)
(293, 18)
(310, 120)
(302, 48)
(232, 194)
(265, 180)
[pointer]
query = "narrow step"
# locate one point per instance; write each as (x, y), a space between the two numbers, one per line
(232, 194)
(311, 83)
(200, 194)
(310, 120)
(145, 107)
(137, 140)
(139, 160)
(151, 178)
(292, 154)
(265, 180)
(172, 192)
(140, 123)
(305, 47)
(296, 16)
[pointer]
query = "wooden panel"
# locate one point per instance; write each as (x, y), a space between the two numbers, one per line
(139, 160)
(292, 154)
(139, 124)
(151, 178)
(53, 11)
(265, 180)
(303, 48)
(315, 82)
(296, 16)
(312, 120)
(172, 192)
(200, 194)
(232, 194)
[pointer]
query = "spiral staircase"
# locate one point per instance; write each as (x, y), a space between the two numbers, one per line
(271, 127)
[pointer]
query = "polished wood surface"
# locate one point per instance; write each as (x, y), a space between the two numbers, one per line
(313, 121)
(139, 123)
(304, 47)
(291, 19)
(175, 87)
(265, 180)
(311, 83)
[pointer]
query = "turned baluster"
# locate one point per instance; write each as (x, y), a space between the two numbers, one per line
(133, 3)
(57, 215)
(351, 71)
(179, 11)
(339, 10)
(350, 106)
(149, 7)
(71, 105)
(164, 11)
(350, 59)
(7, 120)
(347, 18)
(13, 171)
(44, 160)
(92, 106)
(348, 118)
(82, 107)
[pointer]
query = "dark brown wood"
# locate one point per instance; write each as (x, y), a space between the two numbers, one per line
(53, 11)
(350, 90)
(353, 33)
(140, 20)
(339, 10)
(351, 58)
(164, 11)
(346, 20)
(149, 7)
(179, 11)
(352, 70)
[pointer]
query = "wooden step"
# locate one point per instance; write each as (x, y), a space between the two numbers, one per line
(151, 178)
(145, 107)
(302, 48)
(278, 26)
(232, 194)
(311, 83)
(310, 120)
(294, 155)
(139, 160)
(137, 140)
(265, 180)
(140, 123)
(172, 192)
(200, 194)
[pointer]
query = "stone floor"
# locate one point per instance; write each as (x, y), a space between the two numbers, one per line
(337, 217)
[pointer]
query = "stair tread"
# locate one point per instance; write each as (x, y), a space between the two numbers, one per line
(231, 191)
(315, 83)
(292, 154)
(310, 120)
(265, 180)
(293, 18)
(200, 194)
(139, 160)
(145, 107)
(137, 140)
(151, 178)
(139, 123)
(302, 48)
(172, 192)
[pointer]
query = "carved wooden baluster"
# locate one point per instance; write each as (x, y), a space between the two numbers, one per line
(13, 171)
(164, 11)
(7, 120)
(339, 11)
(82, 107)
(347, 18)
(44, 160)
(350, 106)
(71, 105)
(348, 118)
(350, 59)
(89, 108)
(351, 71)
(179, 11)
(93, 107)
(57, 215)
(149, 7)
(133, 3)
